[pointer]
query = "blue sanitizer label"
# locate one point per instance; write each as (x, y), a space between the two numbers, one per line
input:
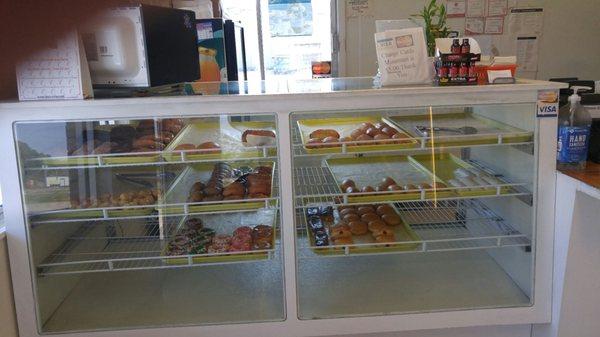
(573, 144)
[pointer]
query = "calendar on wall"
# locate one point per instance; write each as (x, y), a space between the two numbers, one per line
(60, 71)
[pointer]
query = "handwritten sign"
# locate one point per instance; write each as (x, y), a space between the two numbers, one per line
(402, 57)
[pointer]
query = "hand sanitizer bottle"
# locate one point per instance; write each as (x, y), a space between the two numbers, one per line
(574, 125)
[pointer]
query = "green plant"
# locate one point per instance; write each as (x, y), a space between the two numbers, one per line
(434, 17)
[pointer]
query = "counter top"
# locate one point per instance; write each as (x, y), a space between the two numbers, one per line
(590, 176)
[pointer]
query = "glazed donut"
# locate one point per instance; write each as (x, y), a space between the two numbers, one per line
(259, 133)
(324, 133)
(244, 230)
(358, 228)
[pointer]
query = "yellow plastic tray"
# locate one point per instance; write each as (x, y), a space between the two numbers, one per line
(403, 232)
(226, 224)
(369, 171)
(227, 135)
(179, 191)
(488, 129)
(92, 160)
(344, 126)
(444, 165)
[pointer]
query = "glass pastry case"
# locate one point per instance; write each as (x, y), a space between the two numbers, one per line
(317, 207)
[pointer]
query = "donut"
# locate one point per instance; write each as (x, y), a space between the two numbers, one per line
(261, 133)
(385, 238)
(385, 209)
(368, 217)
(391, 219)
(351, 217)
(324, 133)
(340, 231)
(244, 230)
(358, 228)
(347, 183)
(262, 231)
(362, 210)
(376, 225)
(347, 211)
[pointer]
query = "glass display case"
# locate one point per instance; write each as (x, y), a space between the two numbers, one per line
(117, 209)
(414, 210)
(307, 209)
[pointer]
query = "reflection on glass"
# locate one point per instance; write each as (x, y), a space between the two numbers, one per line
(424, 209)
(157, 222)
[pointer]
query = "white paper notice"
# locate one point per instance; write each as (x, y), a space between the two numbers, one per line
(526, 21)
(527, 53)
(474, 26)
(402, 57)
(356, 8)
(475, 8)
(497, 7)
(55, 73)
(456, 8)
(494, 25)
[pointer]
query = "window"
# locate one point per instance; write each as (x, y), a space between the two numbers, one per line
(293, 34)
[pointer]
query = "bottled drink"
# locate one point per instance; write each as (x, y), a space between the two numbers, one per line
(472, 70)
(464, 70)
(574, 125)
(453, 71)
(443, 70)
(465, 48)
(455, 48)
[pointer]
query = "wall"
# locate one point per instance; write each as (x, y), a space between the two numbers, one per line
(8, 322)
(570, 45)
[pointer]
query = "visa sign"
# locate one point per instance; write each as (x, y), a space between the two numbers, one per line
(547, 105)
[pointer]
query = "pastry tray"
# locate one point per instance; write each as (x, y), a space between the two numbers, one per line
(489, 131)
(444, 165)
(116, 187)
(103, 159)
(225, 224)
(179, 191)
(344, 126)
(370, 171)
(406, 240)
(228, 135)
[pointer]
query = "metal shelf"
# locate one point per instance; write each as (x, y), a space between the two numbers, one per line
(299, 150)
(458, 225)
(266, 154)
(121, 246)
(316, 185)
(272, 203)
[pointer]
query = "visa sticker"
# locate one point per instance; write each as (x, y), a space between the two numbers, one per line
(547, 104)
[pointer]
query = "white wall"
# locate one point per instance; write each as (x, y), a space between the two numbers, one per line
(570, 45)
(8, 322)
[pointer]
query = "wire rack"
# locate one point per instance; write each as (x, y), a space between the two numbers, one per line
(176, 158)
(316, 185)
(70, 215)
(127, 245)
(424, 144)
(440, 226)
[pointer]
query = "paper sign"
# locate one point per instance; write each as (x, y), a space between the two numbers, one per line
(456, 8)
(494, 25)
(474, 26)
(402, 57)
(497, 7)
(58, 72)
(547, 103)
(526, 21)
(527, 53)
(475, 8)
(356, 8)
